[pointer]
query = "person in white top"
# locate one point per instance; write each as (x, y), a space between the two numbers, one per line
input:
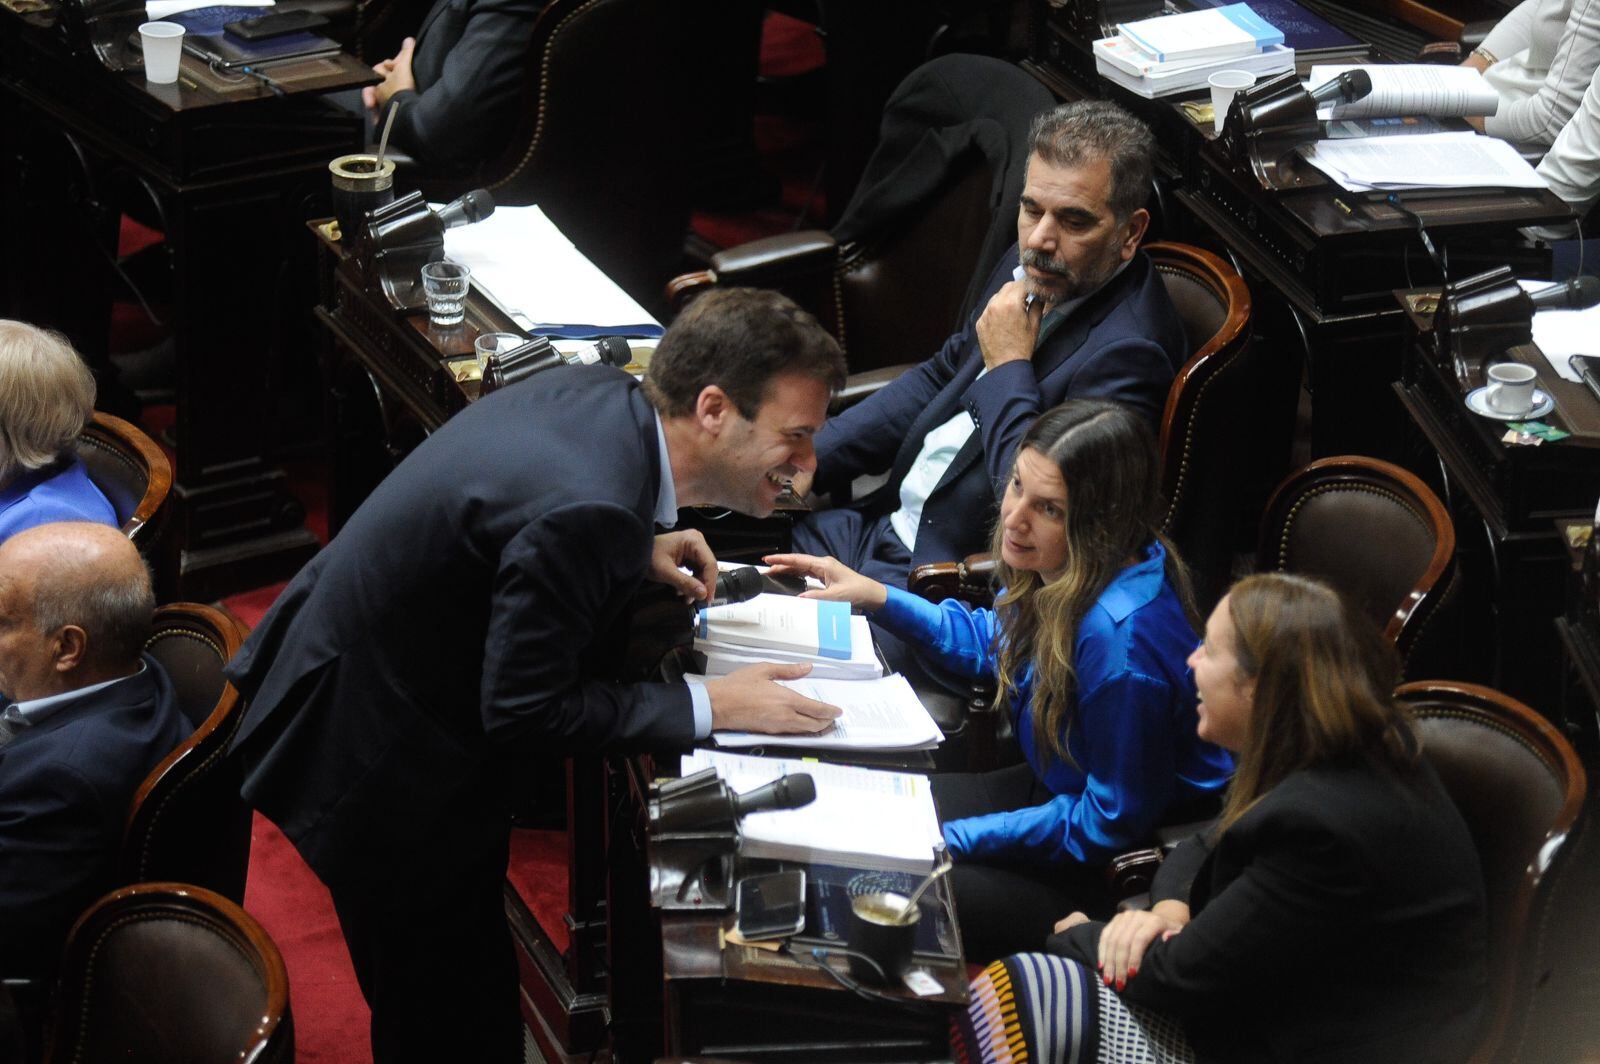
(1540, 59)
(1572, 166)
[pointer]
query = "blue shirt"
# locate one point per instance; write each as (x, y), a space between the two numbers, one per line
(55, 493)
(1135, 754)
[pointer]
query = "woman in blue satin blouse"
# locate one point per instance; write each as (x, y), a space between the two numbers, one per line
(1087, 645)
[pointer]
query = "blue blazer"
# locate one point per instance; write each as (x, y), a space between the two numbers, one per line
(469, 64)
(1135, 754)
(454, 625)
(60, 492)
(1125, 343)
(65, 788)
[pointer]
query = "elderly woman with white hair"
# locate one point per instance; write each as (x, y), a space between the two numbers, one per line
(46, 396)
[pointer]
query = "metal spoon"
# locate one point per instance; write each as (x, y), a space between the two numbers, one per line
(904, 916)
(383, 140)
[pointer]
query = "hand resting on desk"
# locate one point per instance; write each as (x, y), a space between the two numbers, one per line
(748, 700)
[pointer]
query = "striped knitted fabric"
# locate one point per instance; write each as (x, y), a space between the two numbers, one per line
(1029, 1007)
(1044, 1009)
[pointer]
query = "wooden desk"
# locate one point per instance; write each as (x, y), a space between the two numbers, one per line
(1321, 263)
(1505, 501)
(233, 171)
(683, 993)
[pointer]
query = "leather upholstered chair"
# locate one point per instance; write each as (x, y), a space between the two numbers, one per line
(1202, 446)
(901, 272)
(1377, 534)
(167, 973)
(187, 822)
(1519, 786)
(132, 472)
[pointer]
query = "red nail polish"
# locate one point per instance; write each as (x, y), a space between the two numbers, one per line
(1132, 972)
(1100, 966)
(1120, 984)
(1107, 979)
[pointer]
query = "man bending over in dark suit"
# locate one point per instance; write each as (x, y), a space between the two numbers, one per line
(88, 720)
(451, 634)
(454, 85)
(1083, 315)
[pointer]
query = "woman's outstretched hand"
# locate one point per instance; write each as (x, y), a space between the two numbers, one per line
(840, 583)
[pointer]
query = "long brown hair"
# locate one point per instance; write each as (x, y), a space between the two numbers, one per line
(1107, 458)
(1324, 679)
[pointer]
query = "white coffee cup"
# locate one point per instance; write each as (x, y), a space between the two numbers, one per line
(1510, 389)
(1225, 85)
(163, 47)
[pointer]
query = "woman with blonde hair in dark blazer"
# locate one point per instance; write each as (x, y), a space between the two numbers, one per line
(1336, 911)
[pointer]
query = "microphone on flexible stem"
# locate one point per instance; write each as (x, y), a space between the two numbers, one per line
(737, 585)
(787, 792)
(612, 350)
(1580, 293)
(471, 207)
(1348, 87)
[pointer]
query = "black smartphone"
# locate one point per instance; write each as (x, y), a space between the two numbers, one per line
(1588, 368)
(771, 905)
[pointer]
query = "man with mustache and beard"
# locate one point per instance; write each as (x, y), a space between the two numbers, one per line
(1073, 311)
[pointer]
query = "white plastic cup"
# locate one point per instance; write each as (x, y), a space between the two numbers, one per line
(163, 47)
(1225, 85)
(1510, 389)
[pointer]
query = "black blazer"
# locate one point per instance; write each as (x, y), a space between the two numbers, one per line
(442, 633)
(1125, 343)
(470, 65)
(65, 788)
(1340, 919)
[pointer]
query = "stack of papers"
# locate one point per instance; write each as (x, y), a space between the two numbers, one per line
(1118, 61)
(532, 272)
(798, 628)
(862, 818)
(882, 714)
(1177, 53)
(1412, 89)
(1213, 33)
(862, 664)
(1427, 160)
(1560, 334)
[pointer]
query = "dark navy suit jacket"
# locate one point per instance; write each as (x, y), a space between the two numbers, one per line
(470, 63)
(65, 787)
(1125, 342)
(445, 630)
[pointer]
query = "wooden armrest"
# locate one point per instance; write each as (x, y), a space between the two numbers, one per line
(1132, 873)
(1441, 53)
(775, 256)
(967, 580)
(858, 386)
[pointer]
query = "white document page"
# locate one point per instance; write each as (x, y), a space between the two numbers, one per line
(522, 262)
(881, 714)
(863, 818)
(160, 9)
(1428, 160)
(1561, 334)
(1412, 89)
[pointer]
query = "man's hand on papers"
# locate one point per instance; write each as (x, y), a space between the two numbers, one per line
(689, 550)
(1009, 326)
(840, 583)
(747, 700)
(396, 74)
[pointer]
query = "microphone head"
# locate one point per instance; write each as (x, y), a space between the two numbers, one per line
(800, 789)
(477, 204)
(614, 351)
(1354, 84)
(1585, 291)
(738, 585)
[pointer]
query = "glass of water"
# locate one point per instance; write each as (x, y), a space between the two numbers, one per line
(445, 285)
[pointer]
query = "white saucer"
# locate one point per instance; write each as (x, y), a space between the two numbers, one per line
(1542, 405)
